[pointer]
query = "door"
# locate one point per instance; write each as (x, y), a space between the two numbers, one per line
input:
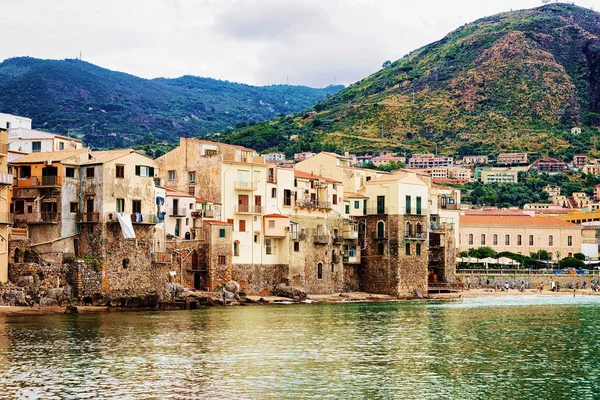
(257, 204)
(243, 203)
(380, 204)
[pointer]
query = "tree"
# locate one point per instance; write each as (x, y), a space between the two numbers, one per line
(571, 262)
(386, 64)
(579, 256)
(540, 255)
(482, 252)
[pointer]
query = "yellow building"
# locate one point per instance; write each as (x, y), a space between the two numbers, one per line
(520, 234)
(5, 183)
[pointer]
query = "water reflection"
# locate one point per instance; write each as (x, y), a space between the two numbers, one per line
(473, 349)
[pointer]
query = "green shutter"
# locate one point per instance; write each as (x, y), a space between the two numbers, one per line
(137, 170)
(151, 173)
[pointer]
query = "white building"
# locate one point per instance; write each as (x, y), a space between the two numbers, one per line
(9, 121)
(28, 140)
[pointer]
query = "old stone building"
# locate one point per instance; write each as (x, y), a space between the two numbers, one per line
(6, 181)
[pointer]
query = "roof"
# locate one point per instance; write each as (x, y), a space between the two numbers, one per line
(200, 141)
(101, 157)
(216, 222)
(52, 156)
(276, 216)
(201, 200)
(518, 221)
(175, 193)
(354, 195)
(308, 175)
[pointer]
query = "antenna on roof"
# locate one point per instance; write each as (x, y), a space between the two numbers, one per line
(80, 55)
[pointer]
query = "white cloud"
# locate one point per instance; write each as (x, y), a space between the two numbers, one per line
(252, 41)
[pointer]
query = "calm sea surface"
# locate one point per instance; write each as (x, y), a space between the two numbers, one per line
(505, 348)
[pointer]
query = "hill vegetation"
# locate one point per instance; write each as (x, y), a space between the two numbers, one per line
(513, 81)
(113, 109)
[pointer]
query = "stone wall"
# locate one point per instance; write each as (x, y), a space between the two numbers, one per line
(196, 262)
(532, 281)
(259, 279)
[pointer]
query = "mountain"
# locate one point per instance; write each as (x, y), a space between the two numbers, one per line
(95, 103)
(518, 80)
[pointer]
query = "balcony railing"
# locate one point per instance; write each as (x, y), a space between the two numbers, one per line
(6, 179)
(37, 217)
(321, 239)
(442, 226)
(248, 209)
(338, 239)
(377, 210)
(335, 259)
(177, 212)
(136, 218)
(272, 179)
(350, 235)
(35, 181)
(378, 236)
(88, 217)
(415, 235)
(314, 204)
(246, 185)
(162, 257)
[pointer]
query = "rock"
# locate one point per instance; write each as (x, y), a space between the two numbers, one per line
(48, 302)
(16, 297)
(71, 310)
(232, 286)
(283, 290)
(26, 280)
(418, 293)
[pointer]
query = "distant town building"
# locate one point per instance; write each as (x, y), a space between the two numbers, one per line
(549, 165)
(597, 192)
(361, 160)
(386, 157)
(591, 167)
(303, 156)
(474, 160)
(439, 174)
(576, 130)
(496, 175)
(560, 200)
(274, 157)
(552, 190)
(424, 161)
(511, 158)
(9, 121)
(580, 160)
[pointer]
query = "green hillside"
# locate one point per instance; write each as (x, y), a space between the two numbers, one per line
(513, 81)
(95, 103)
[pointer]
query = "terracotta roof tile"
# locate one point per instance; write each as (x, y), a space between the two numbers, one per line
(52, 156)
(276, 216)
(308, 175)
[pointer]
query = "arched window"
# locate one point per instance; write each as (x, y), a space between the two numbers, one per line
(320, 271)
(444, 200)
(531, 240)
(550, 240)
(470, 239)
(495, 240)
(419, 229)
(408, 232)
(380, 229)
(507, 240)
(483, 239)
(569, 240)
(519, 240)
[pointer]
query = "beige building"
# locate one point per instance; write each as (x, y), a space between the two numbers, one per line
(499, 175)
(552, 190)
(6, 181)
(511, 158)
(424, 161)
(591, 167)
(475, 160)
(580, 160)
(520, 234)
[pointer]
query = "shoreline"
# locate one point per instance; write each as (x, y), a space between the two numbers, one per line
(352, 297)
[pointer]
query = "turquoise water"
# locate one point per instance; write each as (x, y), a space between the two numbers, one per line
(504, 348)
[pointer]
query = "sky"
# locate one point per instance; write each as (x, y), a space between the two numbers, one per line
(259, 42)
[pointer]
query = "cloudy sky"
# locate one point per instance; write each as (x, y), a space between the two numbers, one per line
(309, 42)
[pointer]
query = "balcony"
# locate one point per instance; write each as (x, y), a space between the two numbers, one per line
(443, 226)
(177, 212)
(448, 206)
(248, 209)
(325, 205)
(338, 239)
(136, 218)
(3, 148)
(39, 181)
(351, 257)
(321, 239)
(162, 257)
(246, 185)
(350, 234)
(44, 217)
(298, 236)
(415, 236)
(88, 217)
(377, 210)
(272, 179)
(378, 236)
(6, 179)
(336, 259)
(246, 159)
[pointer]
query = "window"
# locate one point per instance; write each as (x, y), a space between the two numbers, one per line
(221, 260)
(351, 251)
(495, 240)
(192, 176)
(255, 238)
(380, 249)
(407, 249)
(287, 197)
(236, 248)
(418, 249)
(483, 239)
(271, 223)
(36, 147)
(418, 205)
(222, 232)
(335, 199)
(320, 271)
(70, 173)
(25, 171)
(273, 193)
(531, 240)
(74, 206)
(347, 208)
(507, 240)
(356, 204)
(269, 247)
(380, 229)
(125, 263)
(136, 206)
(408, 230)
(171, 175)
(187, 222)
(143, 170)
(550, 240)
(192, 190)
(120, 171)
(569, 240)
(518, 240)
(120, 205)
(296, 246)
(19, 207)
(61, 145)
(408, 205)
(470, 239)
(242, 225)
(89, 172)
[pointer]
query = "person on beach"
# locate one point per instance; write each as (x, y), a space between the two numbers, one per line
(553, 286)
(541, 287)
(522, 289)
(468, 283)
(584, 285)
